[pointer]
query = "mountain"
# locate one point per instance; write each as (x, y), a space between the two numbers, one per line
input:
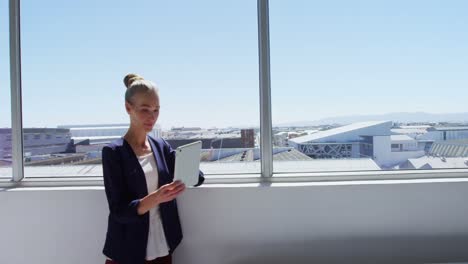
(395, 117)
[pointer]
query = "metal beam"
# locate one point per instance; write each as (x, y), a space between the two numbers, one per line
(15, 82)
(266, 144)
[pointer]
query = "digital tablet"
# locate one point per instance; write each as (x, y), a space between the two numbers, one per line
(187, 163)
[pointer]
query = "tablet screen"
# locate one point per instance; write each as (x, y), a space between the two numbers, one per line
(187, 163)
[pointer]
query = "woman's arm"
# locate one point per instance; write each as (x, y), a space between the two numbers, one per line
(164, 194)
(123, 208)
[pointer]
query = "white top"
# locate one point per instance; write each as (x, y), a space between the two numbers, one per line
(157, 244)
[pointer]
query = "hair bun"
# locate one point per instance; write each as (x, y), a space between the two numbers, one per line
(131, 78)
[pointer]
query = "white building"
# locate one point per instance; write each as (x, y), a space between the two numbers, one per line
(281, 139)
(429, 162)
(102, 134)
(360, 140)
(449, 148)
(36, 141)
(426, 135)
(449, 133)
(343, 142)
(411, 131)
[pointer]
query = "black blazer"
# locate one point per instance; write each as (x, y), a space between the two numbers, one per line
(125, 185)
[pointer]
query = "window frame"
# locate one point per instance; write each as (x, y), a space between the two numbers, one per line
(266, 140)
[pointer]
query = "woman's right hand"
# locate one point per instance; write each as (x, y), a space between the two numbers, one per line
(164, 194)
(168, 192)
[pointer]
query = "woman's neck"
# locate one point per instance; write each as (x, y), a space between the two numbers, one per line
(136, 137)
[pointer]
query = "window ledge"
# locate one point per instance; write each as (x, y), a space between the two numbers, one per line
(278, 180)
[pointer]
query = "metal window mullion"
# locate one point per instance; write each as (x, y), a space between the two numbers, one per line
(266, 144)
(15, 82)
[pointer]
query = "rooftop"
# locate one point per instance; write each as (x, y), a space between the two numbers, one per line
(439, 162)
(233, 167)
(338, 130)
(401, 138)
(448, 128)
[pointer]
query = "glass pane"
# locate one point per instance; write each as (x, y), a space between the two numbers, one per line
(5, 95)
(369, 85)
(201, 54)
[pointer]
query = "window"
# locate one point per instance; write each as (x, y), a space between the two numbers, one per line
(5, 95)
(202, 55)
(338, 67)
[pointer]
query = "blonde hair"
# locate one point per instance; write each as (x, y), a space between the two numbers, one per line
(137, 84)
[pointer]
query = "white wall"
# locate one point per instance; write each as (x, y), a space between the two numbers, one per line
(431, 135)
(402, 156)
(382, 149)
(351, 133)
(454, 135)
(323, 222)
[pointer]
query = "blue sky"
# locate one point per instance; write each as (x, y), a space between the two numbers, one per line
(328, 58)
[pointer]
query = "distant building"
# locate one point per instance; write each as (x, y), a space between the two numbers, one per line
(208, 143)
(37, 141)
(403, 143)
(426, 135)
(429, 162)
(281, 139)
(103, 133)
(253, 154)
(449, 148)
(416, 132)
(186, 129)
(247, 138)
(211, 138)
(91, 138)
(450, 133)
(360, 140)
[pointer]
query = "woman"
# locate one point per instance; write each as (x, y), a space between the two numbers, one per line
(143, 224)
